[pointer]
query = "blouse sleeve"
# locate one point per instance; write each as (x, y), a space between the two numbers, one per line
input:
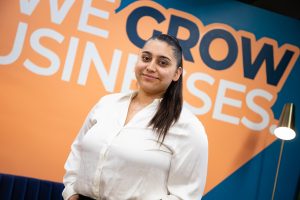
(188, 170)
(73, 160)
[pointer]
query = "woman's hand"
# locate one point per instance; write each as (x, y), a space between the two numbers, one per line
(74, 197)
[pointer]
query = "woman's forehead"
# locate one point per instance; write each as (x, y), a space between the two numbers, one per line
(159, 48)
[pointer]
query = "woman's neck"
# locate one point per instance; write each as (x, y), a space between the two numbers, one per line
(145, 98)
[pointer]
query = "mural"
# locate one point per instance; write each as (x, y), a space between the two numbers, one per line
(58, 57)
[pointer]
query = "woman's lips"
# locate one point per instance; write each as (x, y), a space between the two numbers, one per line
(149, 76)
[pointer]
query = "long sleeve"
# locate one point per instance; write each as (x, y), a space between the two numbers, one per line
(73, 161)
(188, 170)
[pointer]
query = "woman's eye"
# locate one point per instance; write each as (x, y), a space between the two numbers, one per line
(146, 58)
(163, 63)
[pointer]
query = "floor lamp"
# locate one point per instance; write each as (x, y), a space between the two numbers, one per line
(284, 131)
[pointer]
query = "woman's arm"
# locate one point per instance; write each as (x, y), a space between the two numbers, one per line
(188, 170)
(73, 161)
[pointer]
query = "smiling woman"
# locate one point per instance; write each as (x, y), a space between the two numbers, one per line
(141, 145)
(157, 67)
(159, 74)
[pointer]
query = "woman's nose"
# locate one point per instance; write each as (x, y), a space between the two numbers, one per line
(151, 66)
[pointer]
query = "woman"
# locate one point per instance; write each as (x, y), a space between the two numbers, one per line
(142, 145)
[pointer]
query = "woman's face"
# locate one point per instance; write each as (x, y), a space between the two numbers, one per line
(156, 67)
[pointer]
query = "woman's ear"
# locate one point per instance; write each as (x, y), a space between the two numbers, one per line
(177, 74)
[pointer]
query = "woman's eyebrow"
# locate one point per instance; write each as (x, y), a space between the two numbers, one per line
(160, 56)
(164, 57)
(147, 52)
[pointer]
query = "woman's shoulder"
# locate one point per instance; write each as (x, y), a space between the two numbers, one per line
(190, 123)
(188, 118)
(112, 97)
(110, 101)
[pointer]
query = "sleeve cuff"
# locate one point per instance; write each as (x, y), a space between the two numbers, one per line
(68, 192)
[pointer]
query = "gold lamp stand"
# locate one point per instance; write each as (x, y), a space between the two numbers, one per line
(284, 131)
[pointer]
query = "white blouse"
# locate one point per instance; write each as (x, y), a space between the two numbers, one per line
(113, 161)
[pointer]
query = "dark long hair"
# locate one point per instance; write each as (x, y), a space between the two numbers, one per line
(171, 105)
